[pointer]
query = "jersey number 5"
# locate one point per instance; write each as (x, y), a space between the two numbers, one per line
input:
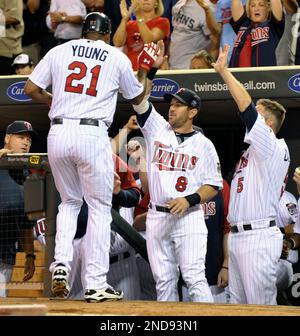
(70, 87)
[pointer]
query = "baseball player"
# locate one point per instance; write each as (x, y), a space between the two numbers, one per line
(86, 75)
(255, 242)
(122, 270)
(285, 220)
(293, 242)
(183, 171)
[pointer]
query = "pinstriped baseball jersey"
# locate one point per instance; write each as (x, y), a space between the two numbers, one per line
(85, 84)
(288, 214)
(288, 210)
(259, 175)
(177, 170)
(297, 225)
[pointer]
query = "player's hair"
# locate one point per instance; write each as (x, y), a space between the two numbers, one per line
(205, 56)
(275, 109)
(268, 4)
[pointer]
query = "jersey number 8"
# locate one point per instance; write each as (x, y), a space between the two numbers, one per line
(181, 184)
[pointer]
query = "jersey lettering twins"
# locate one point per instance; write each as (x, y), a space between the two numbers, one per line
(177, 170)
(259, 176)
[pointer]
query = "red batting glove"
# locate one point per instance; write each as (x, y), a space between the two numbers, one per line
(148, 56)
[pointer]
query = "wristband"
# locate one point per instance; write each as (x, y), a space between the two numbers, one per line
(225, 267)
(193, 199)
(30, 255)
(151, 74)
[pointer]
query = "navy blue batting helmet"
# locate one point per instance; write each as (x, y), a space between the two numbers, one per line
(96, 22)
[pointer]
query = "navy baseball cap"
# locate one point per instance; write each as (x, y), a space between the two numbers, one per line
(185, 96)
(20, 126)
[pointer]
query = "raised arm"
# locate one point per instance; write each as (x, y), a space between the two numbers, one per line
(237, 90)
(277, 9)
(119, 39)
(237, 9)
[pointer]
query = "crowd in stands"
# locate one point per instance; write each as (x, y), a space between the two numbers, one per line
(259, 32)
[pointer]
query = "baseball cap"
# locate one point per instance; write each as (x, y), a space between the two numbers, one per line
(22, 59)
(185, 96)
(20, 126)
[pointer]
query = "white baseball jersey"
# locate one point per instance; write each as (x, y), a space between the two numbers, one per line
(86, 76)
(297, 224)
(254, 199)
(176, 170)
(287, 214)
(259, 176)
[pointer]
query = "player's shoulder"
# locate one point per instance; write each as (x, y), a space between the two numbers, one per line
(288, 197)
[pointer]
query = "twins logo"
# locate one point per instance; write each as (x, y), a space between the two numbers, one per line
(165, 159)
(209, 209)
(258, 35)
(241, 164)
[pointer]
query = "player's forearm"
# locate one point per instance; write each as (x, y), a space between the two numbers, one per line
(27, 240)
(206, 193)
(37, 94)
(42, 97)
(142, 78)
(237, 90)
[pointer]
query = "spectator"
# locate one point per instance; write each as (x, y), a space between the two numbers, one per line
(284, 54)
(194, 28)
(149, 26)
(259, 29)
(111, 8)
(295, 43)
(223, 15)
(202, 60)
(14, 225)
(23, 64)
(293, 242)
(65, 18)
(37, 39)
(286, 219)
(11, 42)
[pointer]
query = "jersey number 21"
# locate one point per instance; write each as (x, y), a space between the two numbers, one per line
(76, 76)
